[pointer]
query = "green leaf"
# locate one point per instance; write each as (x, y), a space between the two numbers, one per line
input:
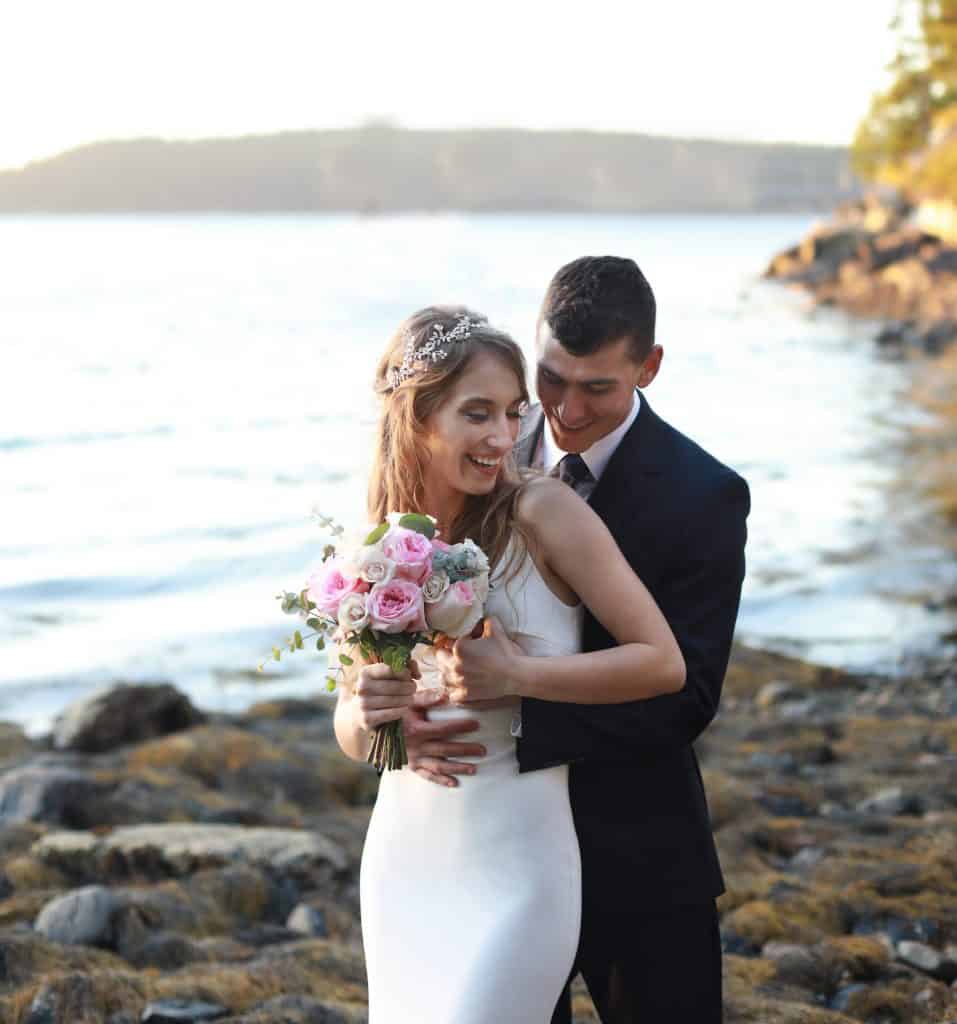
(345, 659)
(377, 534)
(421, 524)
(297, 636)
(321, 644)
(331, 684)
(313, 623)
(276, 654)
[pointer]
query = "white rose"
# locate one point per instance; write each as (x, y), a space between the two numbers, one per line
(481, 586)
(434, 587)
(457, 611)
(353, 616)
(373, 566)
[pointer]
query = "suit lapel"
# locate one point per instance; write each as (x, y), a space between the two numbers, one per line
(639, 455)
(527, 444)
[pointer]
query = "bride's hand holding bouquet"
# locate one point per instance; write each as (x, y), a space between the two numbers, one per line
(402, 587)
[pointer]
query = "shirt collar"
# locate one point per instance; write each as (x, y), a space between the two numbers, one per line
(598, 456)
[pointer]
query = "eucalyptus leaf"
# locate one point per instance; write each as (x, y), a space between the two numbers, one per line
(345, 659)
(297, 636)
(419, 523)
(377, 534)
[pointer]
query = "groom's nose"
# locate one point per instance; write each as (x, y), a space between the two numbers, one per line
(573, 409)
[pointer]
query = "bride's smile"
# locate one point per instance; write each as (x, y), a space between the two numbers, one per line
(470, 435)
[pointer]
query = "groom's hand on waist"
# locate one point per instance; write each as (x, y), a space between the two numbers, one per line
(432, 752)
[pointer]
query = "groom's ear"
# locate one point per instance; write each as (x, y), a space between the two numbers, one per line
(651, 366)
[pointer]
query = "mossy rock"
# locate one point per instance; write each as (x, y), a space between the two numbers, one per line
(862, 958)
(23, 907)
(319, 968)
(209, 753)
(28, 957)
(804, 918)
(903, 1000)
(751, 668)
(26, 873)
(728, 799)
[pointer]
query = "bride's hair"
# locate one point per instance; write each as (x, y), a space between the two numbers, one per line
(409, 396)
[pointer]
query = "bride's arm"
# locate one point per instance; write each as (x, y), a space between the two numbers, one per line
(575, 546)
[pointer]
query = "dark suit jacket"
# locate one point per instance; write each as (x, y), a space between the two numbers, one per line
(678, 516)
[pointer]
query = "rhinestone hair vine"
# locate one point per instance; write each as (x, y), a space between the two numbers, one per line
(434, 349)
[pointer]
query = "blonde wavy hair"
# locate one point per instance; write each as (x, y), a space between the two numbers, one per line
(397, 482)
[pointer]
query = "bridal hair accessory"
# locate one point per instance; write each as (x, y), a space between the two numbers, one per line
(433, 350)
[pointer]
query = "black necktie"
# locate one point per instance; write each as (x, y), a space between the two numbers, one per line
(573, 471)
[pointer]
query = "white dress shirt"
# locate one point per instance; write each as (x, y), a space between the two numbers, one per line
(597, 457)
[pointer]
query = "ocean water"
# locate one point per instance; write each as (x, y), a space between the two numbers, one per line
(180, 392)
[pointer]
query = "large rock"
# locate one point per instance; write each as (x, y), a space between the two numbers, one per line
(833, 247)
(14, 742)
(928, 960)
(179, 1011)
(80, 918)
(294, 1009)
(123, 714)
(180, 849)
(892, 801)
(45, 793)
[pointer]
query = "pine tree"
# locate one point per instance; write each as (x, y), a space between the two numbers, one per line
(916, 111)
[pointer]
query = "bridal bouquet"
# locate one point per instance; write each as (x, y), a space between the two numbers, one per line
(401, 587)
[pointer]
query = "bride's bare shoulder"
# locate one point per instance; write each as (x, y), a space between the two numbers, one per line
(543, 498)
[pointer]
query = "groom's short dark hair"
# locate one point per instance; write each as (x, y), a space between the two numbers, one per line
(596, 300)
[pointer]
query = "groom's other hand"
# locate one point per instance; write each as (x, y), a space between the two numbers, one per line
(431, 750)
(383, 695)
(486, 668)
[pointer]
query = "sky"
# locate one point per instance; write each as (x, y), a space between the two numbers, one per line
(762, 70)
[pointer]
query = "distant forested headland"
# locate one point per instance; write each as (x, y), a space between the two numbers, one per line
(381, 168)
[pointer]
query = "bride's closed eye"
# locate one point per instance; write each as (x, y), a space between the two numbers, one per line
(481, 417)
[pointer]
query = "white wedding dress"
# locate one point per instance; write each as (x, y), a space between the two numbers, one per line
(471, 896)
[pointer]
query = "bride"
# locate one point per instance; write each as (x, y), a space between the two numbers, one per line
(471, 896)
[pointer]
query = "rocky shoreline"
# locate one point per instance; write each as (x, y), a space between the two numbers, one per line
(874, 260)
(878, 261)
(161, 864)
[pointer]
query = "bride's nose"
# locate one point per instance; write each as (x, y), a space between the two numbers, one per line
(500, 440)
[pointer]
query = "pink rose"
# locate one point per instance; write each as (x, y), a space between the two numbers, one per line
(330, 583)
(396, 607)
(410, 551)
(457, 611)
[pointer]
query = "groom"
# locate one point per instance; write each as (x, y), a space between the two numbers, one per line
(649, 947)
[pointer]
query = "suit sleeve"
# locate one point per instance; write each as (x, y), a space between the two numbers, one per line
(699, 596)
